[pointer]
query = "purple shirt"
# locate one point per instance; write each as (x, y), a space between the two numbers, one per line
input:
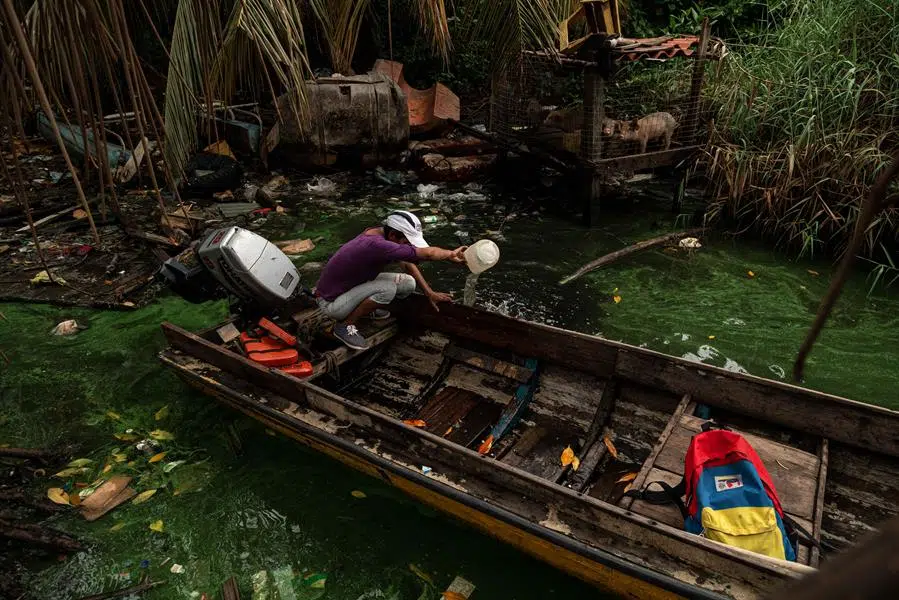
(358, 261)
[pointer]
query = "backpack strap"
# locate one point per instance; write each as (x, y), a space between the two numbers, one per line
(667, 495)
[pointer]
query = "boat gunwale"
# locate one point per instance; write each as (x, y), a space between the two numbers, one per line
(452, 316)
(781, 569)
(247, 405)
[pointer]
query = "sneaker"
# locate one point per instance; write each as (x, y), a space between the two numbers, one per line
(379, 314)
(350, 336)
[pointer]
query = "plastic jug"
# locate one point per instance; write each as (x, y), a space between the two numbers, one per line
(482, 255)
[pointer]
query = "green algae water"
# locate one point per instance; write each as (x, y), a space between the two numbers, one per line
(264, 503)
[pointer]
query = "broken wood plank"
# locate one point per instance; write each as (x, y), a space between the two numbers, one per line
(49, 218)
(475, 425)
(589, 458)
(26, 453)
(818, 515)
(230, 590)
(126, 172)
(446, 409)
(641, 479)
(477, 360)
(151, 237)
(344, 354)
(109, 495)
(41, 536)
(128, 591)
(644, 245)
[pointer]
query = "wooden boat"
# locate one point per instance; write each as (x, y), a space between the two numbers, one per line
(462, 375)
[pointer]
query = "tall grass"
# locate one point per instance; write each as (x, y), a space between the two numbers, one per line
(806, 117)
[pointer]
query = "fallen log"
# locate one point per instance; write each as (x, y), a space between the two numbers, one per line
(613, 256)
(32, 453)
(23, 499)
(128, 591)
(34, 534)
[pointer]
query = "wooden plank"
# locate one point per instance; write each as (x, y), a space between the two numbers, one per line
(674, 421)
(538, 452)
(230, 590)
(488, 363)
(493, 387)
(648, 160)
(49, 218)
(475, 425)
(793, 472)
(588, 457)
(568, 395)
(669, 514)
(823, 460)
(447, 408)
(344, 354)
(838, 419)
(543, 342)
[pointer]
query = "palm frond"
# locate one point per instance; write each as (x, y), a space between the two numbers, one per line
(262, 37)
(196, 38)
(341, 21)
(432, 19)
(511, 26)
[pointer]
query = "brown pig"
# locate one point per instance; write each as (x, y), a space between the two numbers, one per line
(650, 127)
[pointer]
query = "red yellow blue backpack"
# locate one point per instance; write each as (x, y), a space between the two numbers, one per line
(729, 495)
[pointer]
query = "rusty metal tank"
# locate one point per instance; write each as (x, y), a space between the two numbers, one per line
(354, 120)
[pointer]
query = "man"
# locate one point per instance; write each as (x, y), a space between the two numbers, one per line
(353, 284)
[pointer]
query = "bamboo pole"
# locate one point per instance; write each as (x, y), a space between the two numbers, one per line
(19, 34)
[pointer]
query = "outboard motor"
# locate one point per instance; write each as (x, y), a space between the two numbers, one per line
(236, 262)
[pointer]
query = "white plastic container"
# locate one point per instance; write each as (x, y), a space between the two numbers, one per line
(482, 255)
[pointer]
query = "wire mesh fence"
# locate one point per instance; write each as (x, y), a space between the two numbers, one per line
(646, 106)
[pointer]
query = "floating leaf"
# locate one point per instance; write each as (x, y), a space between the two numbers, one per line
(125, 437)
(711, 337)
(117, 526)
(576, 464)
(107, 468)
(70, 472)
(58, 496)
(157, 457)
(628, 477)
(75, 499)
(628, 487)
(113, 415)
(616, 299)
(169, 466)
(162, 413)
(567, 456)
(157, 526)
(415, 423)
(610, 446)
(315, 580)
(143, 497)
(159, 434)
(750, 273)
(813, 272)
(357, 494)
(80, 462)
(119, 457)
(421, 574)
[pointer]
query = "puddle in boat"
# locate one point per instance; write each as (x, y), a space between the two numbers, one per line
(277, 503)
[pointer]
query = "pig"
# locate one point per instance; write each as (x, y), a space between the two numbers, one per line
(650, 127)
(572, 119)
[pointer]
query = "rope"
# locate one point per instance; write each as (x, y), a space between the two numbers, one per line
(332, 363)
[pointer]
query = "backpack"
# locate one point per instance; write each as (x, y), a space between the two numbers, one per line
(729, 495)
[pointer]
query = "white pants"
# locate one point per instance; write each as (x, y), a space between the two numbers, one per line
(383, 289)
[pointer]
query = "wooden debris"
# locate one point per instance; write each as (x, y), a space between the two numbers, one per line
(35, 534)
(128, 591)
(230, 590)
(613, 256)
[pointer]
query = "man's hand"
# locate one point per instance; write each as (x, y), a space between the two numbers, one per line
(458, 255)
(435, 297)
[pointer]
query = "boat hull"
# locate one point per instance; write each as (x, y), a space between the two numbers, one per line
(581, 561)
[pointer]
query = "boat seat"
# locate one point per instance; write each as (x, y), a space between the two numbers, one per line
(795, 474)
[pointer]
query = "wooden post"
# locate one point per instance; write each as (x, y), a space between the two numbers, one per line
(696, 85)
(591, 140)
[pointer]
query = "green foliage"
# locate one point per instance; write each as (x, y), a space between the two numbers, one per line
(805, 118)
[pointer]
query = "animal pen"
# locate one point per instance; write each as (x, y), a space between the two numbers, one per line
(607, 108)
